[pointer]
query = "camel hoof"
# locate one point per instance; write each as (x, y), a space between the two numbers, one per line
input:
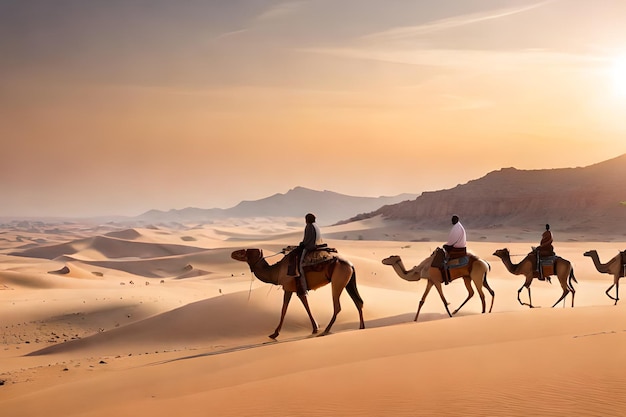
(273, 336)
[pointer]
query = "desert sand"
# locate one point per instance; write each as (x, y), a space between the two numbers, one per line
(157, 321)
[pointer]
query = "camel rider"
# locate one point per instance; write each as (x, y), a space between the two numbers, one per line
(457, 242)
(544, 250)
(457, 237)
(312, 238)
(545, 247)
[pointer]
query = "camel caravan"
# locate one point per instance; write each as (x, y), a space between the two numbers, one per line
(312, 265)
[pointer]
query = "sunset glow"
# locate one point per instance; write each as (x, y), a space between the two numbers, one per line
(117, 107)
(619, 75)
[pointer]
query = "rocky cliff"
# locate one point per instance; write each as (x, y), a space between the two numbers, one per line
(592, 197)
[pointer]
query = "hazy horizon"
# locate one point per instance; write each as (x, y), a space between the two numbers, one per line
(118, 107)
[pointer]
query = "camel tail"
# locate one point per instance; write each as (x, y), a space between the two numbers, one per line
(572, 277)
(353, 291)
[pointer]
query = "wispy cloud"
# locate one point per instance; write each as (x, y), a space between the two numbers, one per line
(230, 34)
(405, 32)
(281, 10)
(277, 11)
(468, 60)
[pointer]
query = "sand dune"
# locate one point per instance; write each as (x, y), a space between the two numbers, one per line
(149, 321)
(107, 247)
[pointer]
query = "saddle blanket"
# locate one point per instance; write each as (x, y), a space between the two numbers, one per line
(319, 256)
(458, 262)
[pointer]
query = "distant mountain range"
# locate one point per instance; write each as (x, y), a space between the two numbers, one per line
(328, 206)
(589, 198)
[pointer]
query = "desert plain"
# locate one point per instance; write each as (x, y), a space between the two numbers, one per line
(106, 320)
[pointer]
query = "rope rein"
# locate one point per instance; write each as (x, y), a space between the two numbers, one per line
(252, 271)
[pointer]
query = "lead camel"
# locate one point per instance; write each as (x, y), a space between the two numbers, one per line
(338, 272)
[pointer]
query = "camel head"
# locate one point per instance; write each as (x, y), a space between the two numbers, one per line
(247, 255)
(393, 259)
(502, 253)
(590, 253)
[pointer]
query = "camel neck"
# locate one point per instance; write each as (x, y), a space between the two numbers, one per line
(602, 268)
(265, 272)
(506, 259)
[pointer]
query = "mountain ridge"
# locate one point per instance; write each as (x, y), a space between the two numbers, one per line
(591, 197)
(329, 207)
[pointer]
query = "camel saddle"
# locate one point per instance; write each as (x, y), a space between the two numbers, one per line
(456, 253)
(314, 260)
(319, 256)
(456, 257)
(457, 264)
(543, 265)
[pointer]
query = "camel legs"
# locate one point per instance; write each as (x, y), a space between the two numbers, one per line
(443, 298)
(429, 285)
(479, 287)
(337, 290)
(426, 291)
(470, 294)
(492, 292)
(527, 285)
(563, 274)
(353, 292)
(339, 281)
(305, 303)
(565, 292)
(286, 298)
(616, 285)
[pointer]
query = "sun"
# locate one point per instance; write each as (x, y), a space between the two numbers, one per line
(619, 75)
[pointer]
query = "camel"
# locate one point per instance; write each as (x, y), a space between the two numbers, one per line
(338, 272)
(477, 273)
(563, 267)
(614, 267)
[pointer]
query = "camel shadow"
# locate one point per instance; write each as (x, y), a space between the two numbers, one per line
(371, 324)
(404, 318)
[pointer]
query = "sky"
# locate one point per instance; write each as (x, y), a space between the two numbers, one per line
(122, 106)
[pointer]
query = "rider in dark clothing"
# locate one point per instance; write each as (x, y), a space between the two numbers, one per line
(545, 247)
(312, 238)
